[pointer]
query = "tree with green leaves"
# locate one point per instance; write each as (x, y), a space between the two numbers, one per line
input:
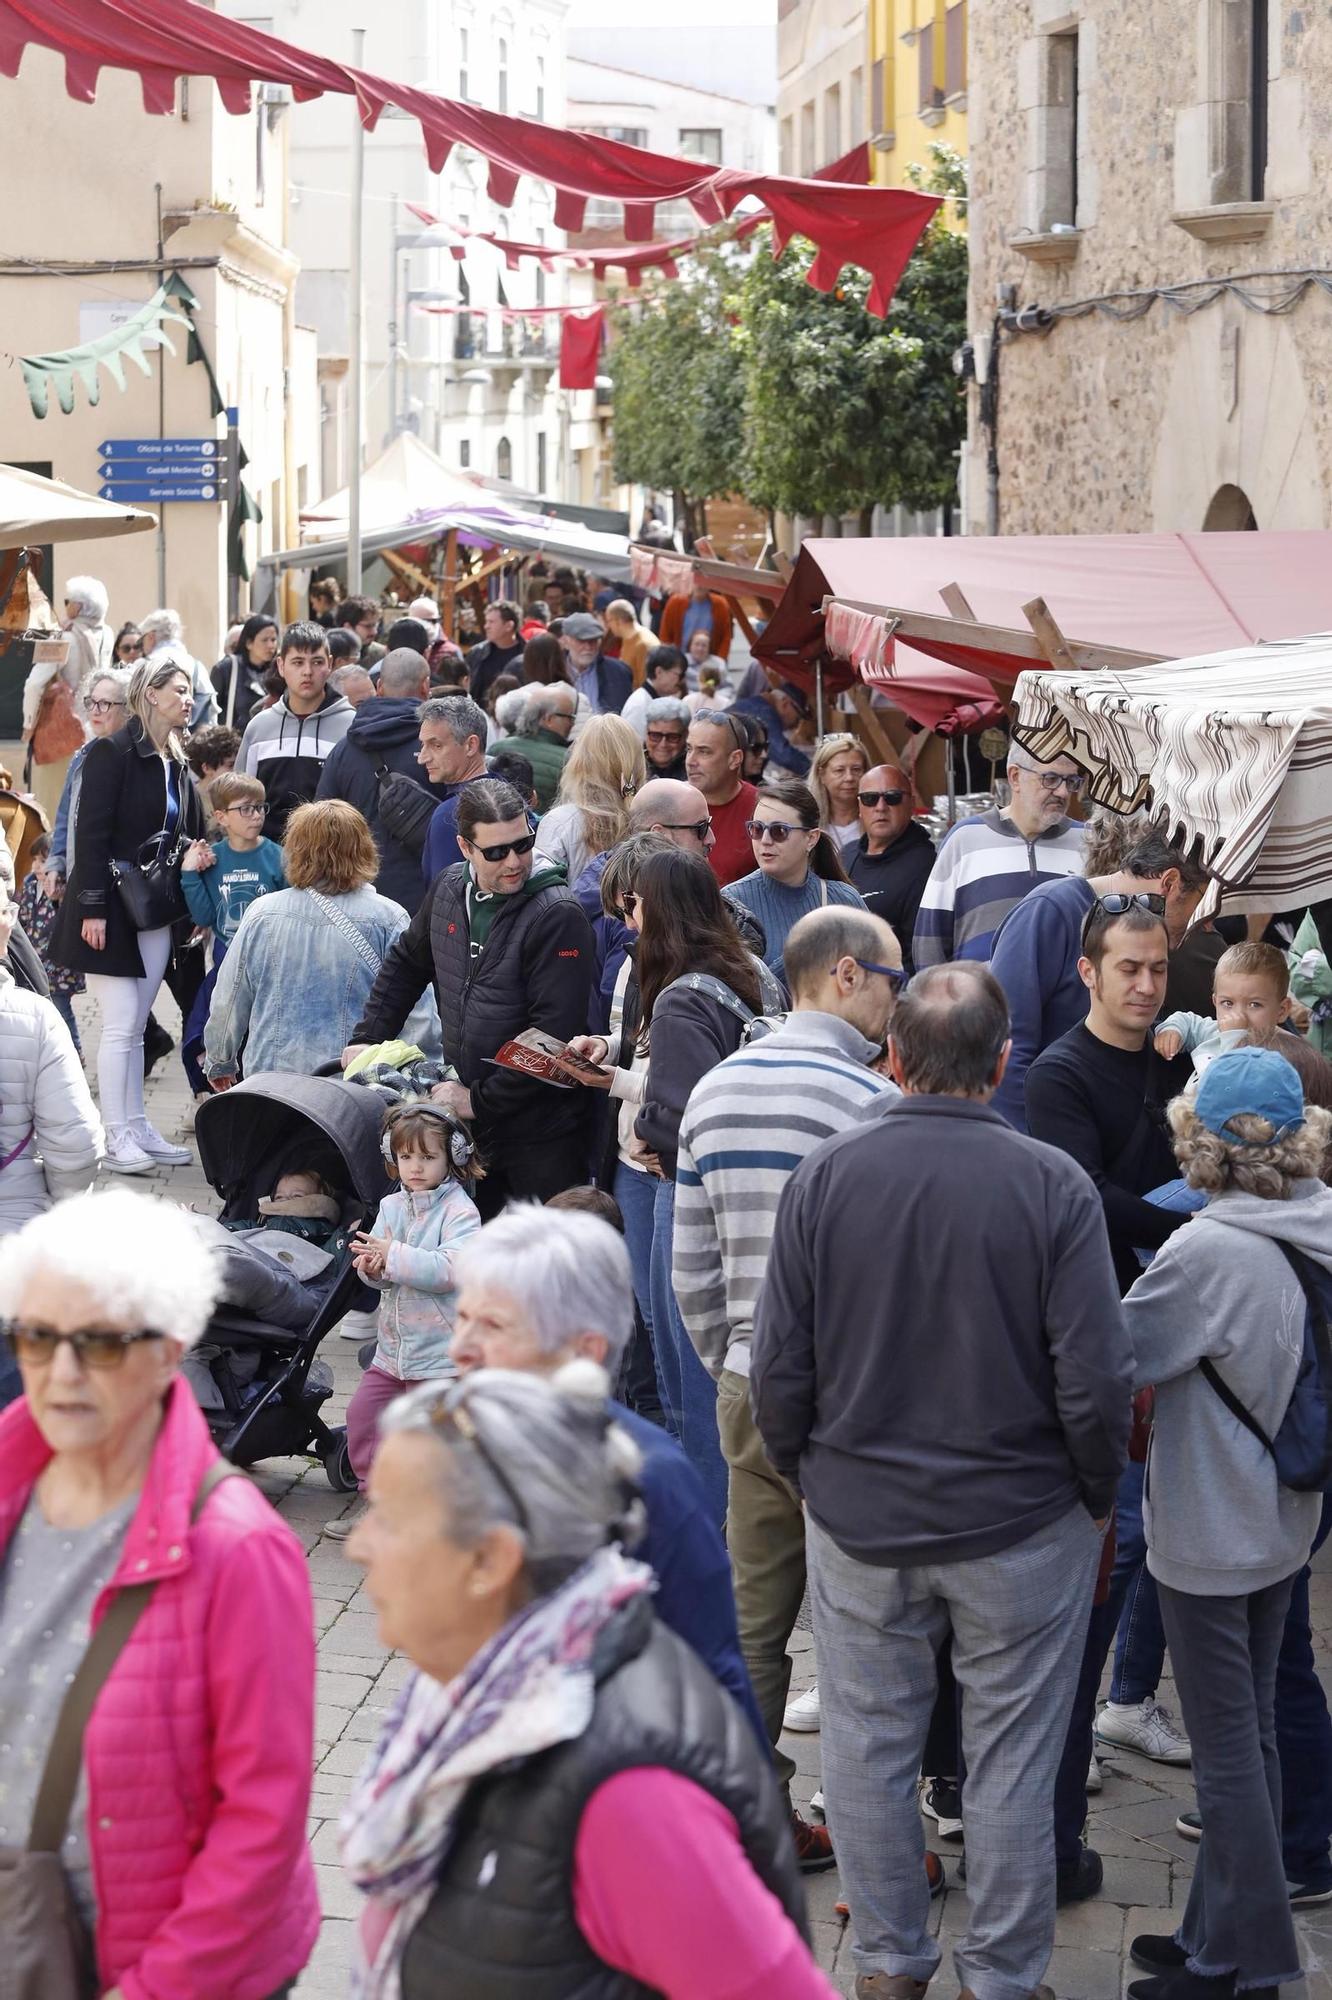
(843, 410)
(678, 396)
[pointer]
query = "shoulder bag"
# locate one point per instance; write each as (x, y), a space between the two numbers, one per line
(48, 1954)
(149, 886)
(358, 941)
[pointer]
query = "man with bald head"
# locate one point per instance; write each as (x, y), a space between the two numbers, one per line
(747, 1126)
(383, 734)
(679, 814)
(893, 861)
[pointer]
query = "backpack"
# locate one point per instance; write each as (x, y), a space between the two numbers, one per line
(1302, 1447)
(405, 809)
(756, 1026)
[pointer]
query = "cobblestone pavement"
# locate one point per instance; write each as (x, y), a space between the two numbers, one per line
(1132, 1822)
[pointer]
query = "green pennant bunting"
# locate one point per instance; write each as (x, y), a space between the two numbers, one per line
(145, 329)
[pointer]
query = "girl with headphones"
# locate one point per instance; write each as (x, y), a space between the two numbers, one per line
(408, 1257)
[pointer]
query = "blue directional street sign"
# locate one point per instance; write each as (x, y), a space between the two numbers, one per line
(158, 492)
(135, 449)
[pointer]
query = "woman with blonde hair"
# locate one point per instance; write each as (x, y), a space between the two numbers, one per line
(835, 776)
(299, 970)
(136, 806)
(601, 774)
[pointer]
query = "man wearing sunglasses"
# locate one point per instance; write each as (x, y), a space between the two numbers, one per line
(988, 864)
(1039, 946)
(894, 858)
(506, 947)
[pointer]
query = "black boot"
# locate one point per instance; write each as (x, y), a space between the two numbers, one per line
(156, 1044)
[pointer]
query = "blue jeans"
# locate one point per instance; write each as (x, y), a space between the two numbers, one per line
(1140, 1651)
(11, 1382)
(64, 1006)
(636, 1195)
(192, 1034)
(689, 1393)
(1304, 1741)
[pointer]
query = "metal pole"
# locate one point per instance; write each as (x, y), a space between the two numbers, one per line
(818, 699)
(161, 404)
(951, 746)
(393, 332)
(355, 328)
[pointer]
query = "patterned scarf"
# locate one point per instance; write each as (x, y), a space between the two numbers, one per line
(529, 1688)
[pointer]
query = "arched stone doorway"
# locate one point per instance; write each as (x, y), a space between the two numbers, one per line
(1229, 510)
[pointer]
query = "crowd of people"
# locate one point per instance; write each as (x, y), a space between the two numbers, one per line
(938, 1236)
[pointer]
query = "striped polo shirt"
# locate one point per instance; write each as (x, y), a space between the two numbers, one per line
(746, 1128)
(985, 866)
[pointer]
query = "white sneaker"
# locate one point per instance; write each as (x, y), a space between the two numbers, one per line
(340, 1529)
(1095, 1782)
(802, 1714)
(124, 1155)
(1146, 1727)
(162, 1153)
(816, 1803)
(358, 1325)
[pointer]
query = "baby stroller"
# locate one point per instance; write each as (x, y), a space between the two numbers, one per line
(269, 1379)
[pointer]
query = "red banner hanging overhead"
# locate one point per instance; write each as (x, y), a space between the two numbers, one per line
(581, 335)
(163, 40)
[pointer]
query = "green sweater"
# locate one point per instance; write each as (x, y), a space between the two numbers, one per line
(546, 754)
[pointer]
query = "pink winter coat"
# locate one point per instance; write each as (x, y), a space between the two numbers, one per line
(201, 1744)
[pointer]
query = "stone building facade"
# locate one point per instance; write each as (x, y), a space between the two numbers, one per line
(1118, 151)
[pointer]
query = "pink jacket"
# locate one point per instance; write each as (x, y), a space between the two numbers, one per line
(200, 1748)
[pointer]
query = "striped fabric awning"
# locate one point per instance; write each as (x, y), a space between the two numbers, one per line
(1233, 749)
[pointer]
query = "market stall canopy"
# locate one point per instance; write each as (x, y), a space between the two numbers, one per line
(407, 480)
(35, 510)
(1163, 596)
(1233, 748)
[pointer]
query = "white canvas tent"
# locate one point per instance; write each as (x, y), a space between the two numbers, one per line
(35, 510)
(407, 480)
(1233, 748)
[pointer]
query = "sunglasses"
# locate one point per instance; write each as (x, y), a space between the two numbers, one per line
(523, 845)
(699, 827)
(881, 798)
(896, 978)
(666, 735)
(1150, 900)
(99, 1351)
(628, 904)
(776, 829)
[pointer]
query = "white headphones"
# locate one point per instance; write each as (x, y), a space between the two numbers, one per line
(462, 1151)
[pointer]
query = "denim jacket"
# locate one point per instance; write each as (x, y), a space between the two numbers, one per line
(292, 987)
(416, 1309)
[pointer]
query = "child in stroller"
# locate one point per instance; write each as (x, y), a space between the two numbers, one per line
(409, 1257)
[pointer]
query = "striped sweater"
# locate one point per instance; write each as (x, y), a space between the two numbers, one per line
(985, 867)
(748, 1125)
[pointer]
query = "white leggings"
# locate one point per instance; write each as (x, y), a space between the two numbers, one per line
(126, 1005)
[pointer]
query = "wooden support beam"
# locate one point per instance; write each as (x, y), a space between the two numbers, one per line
(741, 617)
(449, 593)
(954, 597)
(1048, 635)
(880, 742)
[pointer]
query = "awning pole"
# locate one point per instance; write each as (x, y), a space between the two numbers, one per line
(355, 330)
(818, 698)
(950, 743)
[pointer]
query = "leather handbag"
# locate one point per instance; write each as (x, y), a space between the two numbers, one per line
(149, 886)
(48, 1954)
(58, 731)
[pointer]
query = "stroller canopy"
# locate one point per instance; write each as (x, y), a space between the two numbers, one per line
(273, 1122)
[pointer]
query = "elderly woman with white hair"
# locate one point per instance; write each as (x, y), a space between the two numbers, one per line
(563, 1800)
(131, 1568)
(163, 640)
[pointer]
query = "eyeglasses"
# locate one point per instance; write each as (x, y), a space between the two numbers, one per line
(523, 845)
(100, 707)
(701, 828)
(1058, 781)
(1150, 900)
(249, 811)
(666, 736)
(881, 798)
(92, 1348)
(777, 829)
(896, 978)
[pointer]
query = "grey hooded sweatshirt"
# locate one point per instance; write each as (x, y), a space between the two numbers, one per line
(1219, 1523)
